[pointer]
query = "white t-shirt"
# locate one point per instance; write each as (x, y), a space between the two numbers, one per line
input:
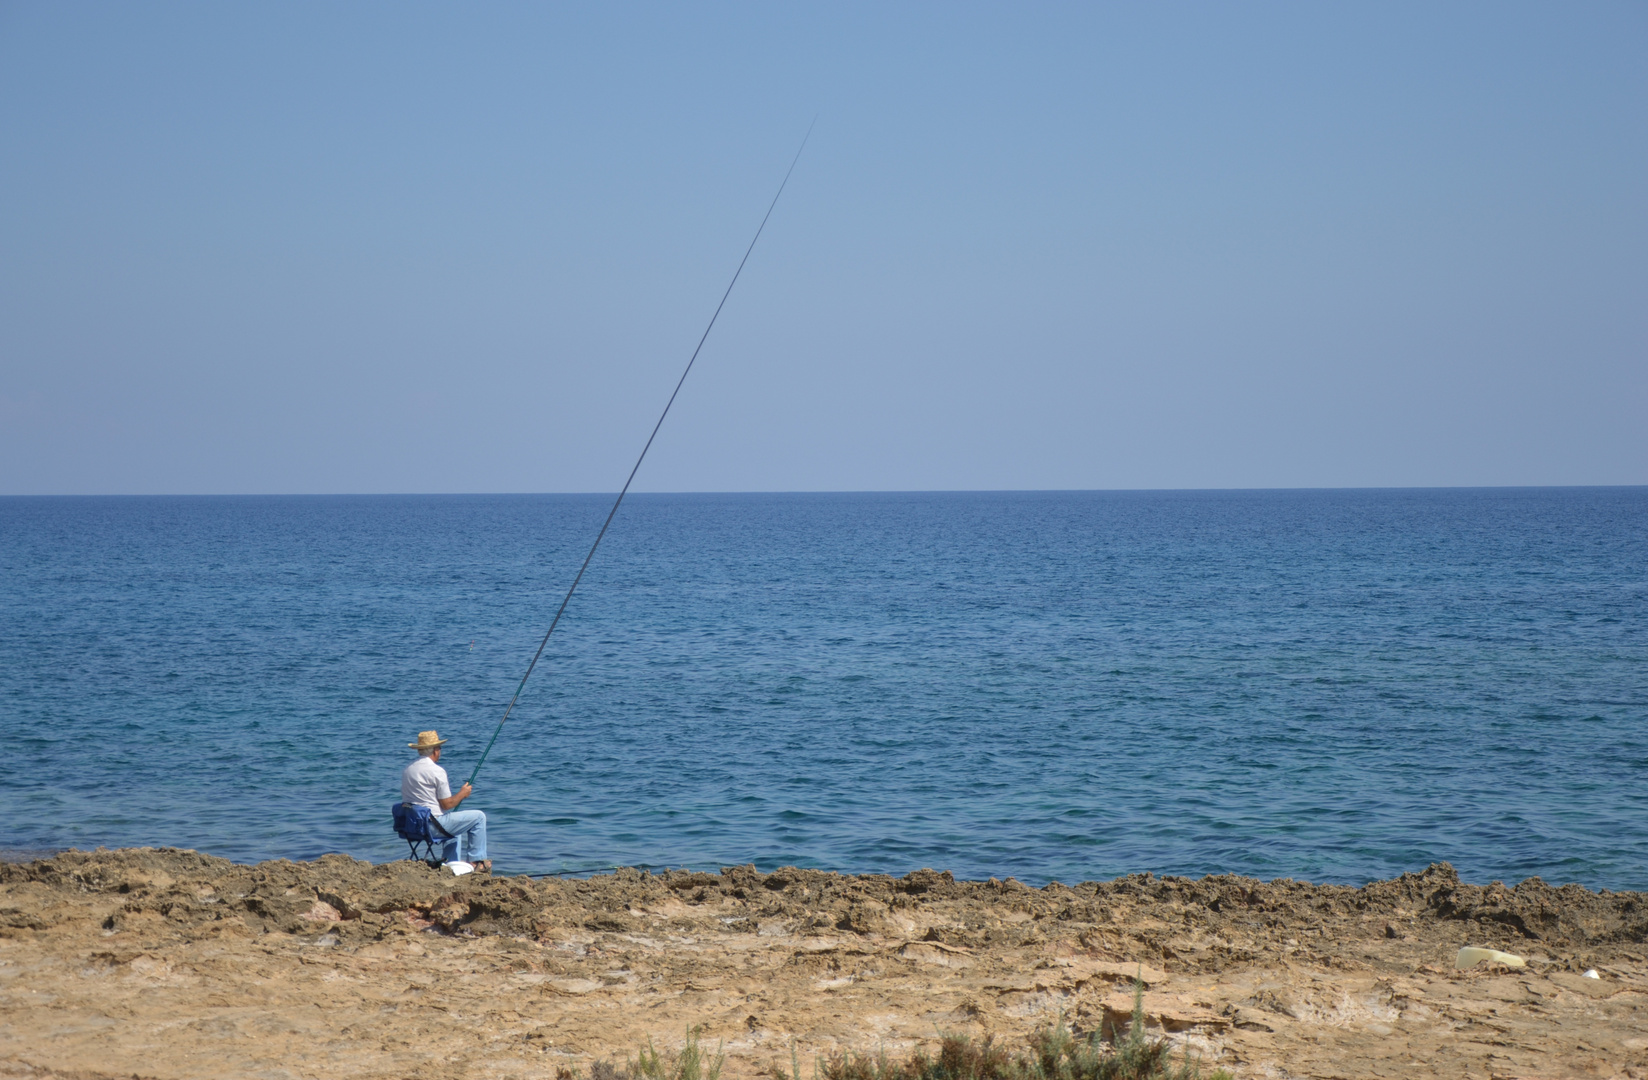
(423, 783)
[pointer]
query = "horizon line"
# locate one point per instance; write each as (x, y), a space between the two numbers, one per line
(814, 491)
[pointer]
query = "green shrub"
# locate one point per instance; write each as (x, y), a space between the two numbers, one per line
(1053, 1053)
(692, 1063)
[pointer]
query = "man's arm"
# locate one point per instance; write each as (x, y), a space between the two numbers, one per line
(451, 803)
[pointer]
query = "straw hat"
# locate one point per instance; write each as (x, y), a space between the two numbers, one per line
(427, 740)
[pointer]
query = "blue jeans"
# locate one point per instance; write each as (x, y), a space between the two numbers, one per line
(468, 831)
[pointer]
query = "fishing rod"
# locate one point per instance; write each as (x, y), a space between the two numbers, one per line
(625, 490)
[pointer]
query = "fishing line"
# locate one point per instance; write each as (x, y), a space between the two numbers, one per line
(613, 512)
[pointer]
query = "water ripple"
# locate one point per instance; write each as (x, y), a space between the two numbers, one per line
(1329, 685)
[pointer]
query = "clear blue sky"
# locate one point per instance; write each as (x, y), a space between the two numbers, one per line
(439, 248)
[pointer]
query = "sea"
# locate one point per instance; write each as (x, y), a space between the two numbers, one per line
(1327, 685)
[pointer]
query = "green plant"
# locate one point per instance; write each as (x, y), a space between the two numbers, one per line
(692, 1063)
(777, 1071)
(1138, 1056)
(1053, 1053)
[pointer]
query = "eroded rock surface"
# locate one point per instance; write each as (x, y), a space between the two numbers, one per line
(165, 963)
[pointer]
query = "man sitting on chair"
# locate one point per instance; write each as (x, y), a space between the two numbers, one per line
(423, 783)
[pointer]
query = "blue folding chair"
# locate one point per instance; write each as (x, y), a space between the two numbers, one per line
(418, 827)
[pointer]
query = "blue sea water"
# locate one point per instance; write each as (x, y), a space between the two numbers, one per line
(1330, 685)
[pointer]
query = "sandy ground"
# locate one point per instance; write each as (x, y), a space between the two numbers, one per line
(169, 964)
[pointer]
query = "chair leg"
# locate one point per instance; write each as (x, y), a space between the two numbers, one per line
(429, 855)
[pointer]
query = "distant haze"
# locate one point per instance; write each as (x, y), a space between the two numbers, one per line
(427, 248)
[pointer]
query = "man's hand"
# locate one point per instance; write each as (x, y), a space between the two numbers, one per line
(450, 804)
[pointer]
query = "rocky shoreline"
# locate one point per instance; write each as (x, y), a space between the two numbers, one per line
(167, 963)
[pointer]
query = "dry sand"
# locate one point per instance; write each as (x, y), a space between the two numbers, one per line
(165, 963)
